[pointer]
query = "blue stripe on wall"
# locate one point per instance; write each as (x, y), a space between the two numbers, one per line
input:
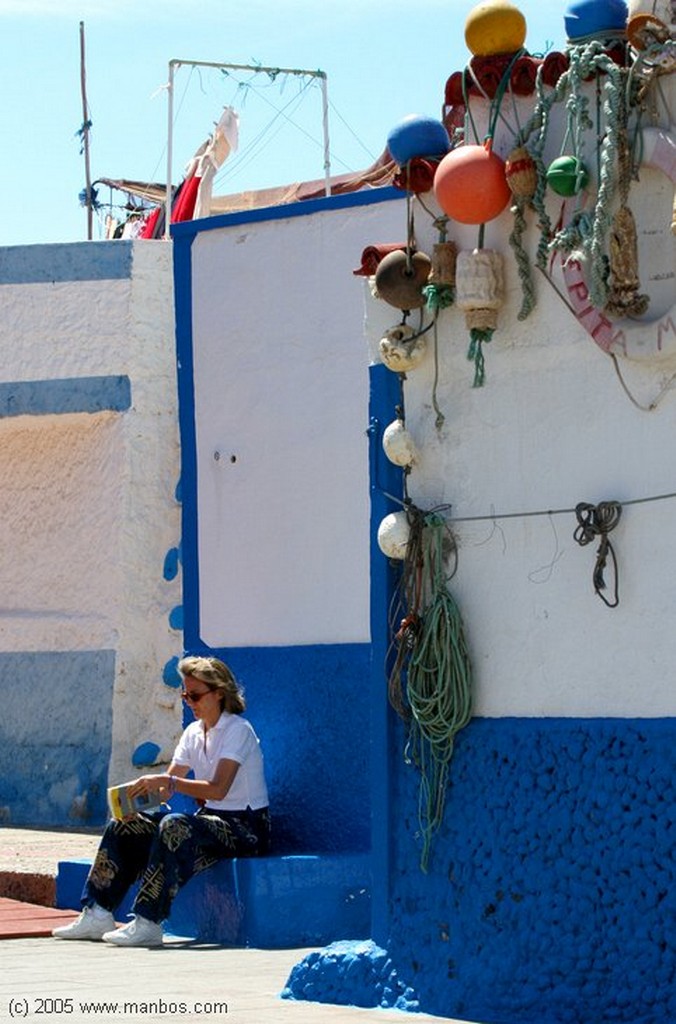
(51, 264)
(187, 427)
(385, 479)
(71, 394)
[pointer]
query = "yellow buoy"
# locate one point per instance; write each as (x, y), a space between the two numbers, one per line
(493, 27)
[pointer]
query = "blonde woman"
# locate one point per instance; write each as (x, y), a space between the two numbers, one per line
(163, 849)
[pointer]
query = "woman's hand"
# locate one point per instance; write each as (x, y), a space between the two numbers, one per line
(149, 784)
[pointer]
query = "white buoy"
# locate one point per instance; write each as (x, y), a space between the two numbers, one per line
(394, 534)
(400, 350)
(398, 445)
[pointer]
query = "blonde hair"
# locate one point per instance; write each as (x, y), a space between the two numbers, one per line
(216, 674)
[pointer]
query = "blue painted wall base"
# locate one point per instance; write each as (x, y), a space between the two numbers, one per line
(551, 891)
(266, 902)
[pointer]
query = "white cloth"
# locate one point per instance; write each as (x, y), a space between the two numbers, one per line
(234, 739)
(224, 141)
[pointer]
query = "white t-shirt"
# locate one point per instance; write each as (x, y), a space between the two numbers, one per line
(234, 739)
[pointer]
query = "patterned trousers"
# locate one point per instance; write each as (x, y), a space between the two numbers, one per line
(165, 850)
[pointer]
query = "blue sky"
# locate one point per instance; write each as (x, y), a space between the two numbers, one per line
(384, 59)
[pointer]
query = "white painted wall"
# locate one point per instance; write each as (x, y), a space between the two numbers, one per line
(281, 385)
(553, 427)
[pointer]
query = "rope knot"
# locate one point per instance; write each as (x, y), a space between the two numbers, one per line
(594, 522)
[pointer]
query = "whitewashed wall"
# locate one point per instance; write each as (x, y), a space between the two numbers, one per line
(552, 427)
(88, 510)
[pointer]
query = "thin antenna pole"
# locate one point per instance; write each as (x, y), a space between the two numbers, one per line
(85, 133)
(325, 127)
(170, 143)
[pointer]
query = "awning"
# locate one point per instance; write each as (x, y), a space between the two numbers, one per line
(378, 175)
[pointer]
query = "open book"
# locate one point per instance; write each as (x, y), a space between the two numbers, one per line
(122, 805)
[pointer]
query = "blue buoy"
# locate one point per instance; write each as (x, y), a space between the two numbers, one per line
(415, 136)
(585, 18)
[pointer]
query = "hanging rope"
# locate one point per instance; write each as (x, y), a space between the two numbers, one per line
(433, 650)
(404, 616)
(439, 418)
(586, 233)
(518, 209)
(594, 522)
(624, 297)
(478, 337)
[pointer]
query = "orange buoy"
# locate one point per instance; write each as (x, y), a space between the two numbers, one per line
(493, 27)
(470, 184)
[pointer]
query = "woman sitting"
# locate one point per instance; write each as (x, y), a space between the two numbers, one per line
(164, 849)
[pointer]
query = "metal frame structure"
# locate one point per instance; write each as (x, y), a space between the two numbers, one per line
(176, 63)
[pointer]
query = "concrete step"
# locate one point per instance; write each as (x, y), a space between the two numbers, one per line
(282, 902)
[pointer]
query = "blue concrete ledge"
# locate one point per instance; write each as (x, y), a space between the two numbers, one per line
(266, 903)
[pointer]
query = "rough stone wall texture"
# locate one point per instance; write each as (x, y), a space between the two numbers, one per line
(550, 892)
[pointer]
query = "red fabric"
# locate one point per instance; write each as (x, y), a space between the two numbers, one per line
(488, 72)
(373, 254)
(151, 223)
(184, 207)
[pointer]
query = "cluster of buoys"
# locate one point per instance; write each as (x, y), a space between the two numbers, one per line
(468, 180)
(473, 185)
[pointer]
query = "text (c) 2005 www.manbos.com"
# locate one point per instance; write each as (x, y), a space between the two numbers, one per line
(52, 1006)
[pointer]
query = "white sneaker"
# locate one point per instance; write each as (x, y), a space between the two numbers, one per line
(139, 932)
(92, 924)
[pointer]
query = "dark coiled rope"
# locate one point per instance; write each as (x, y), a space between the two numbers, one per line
(594, 522)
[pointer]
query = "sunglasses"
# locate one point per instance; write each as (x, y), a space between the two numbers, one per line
(194, 698)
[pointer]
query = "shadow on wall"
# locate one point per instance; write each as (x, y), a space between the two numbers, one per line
(310, 709)
(55, 736)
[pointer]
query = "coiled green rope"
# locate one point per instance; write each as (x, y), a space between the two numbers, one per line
(439, 681)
